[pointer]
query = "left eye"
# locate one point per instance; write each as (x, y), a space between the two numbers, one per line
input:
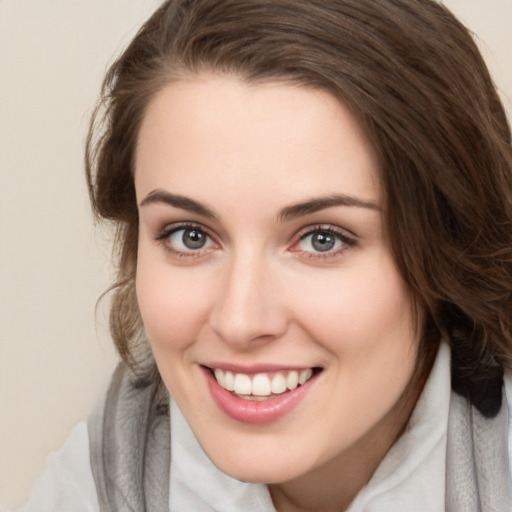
(321, 241)
(189, 239)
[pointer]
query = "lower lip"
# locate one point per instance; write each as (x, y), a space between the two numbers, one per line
(256, 412)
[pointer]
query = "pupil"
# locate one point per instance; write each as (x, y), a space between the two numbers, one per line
(193, 239)
(323, 242)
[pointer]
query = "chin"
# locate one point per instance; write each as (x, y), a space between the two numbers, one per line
(258, 471)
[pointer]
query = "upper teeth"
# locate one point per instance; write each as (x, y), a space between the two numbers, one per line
(261, 384)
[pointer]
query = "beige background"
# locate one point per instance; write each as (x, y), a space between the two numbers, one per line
(54, 357)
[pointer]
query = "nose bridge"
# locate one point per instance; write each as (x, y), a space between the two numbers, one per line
(247, 308)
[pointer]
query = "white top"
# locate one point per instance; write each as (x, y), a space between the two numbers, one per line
(411, 476)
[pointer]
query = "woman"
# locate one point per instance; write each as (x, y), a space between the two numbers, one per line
(313, 208)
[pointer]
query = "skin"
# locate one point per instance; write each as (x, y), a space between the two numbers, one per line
(259, 291)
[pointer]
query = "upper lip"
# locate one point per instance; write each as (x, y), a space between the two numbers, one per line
(254, 368)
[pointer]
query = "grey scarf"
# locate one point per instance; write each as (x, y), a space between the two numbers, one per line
(130, 450)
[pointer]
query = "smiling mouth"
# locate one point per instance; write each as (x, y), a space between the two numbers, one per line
(262, 386)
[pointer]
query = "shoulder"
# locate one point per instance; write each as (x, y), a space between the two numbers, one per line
(67, 483)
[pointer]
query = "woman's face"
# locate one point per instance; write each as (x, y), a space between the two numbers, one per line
(263, 264)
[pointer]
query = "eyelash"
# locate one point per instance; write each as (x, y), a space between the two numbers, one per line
(346, 241)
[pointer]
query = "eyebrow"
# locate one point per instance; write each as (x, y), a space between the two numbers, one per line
(321, 203)
(182, 202)
(286, 214)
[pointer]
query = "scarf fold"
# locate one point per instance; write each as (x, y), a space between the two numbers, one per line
(129, 437)
(477, 465)
(130, 449)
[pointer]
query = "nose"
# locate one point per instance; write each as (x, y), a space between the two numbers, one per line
(248, 311)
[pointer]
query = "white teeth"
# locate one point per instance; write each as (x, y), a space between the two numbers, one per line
(305, 375)
(229, 381)
(292, 381)
(278, 384)
(219, 375)
(261, 385)
(242, 384)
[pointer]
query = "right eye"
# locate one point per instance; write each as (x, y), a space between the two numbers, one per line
(186, 240)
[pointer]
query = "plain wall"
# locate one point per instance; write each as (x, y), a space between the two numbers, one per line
(55, 358)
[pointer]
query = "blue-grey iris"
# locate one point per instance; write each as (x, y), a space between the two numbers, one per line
(323, 242)
(193, 239)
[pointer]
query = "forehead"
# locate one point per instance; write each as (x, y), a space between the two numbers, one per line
(248, 138)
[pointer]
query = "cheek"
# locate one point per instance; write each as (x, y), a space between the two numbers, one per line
(361, 310)
(365, 322)
(172, 303)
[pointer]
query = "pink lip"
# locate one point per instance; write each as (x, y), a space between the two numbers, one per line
(253, 412)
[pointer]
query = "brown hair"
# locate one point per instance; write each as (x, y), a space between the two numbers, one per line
(416, 80)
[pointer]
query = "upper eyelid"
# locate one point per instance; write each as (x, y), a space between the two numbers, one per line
(168, 229)
(343, 232)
